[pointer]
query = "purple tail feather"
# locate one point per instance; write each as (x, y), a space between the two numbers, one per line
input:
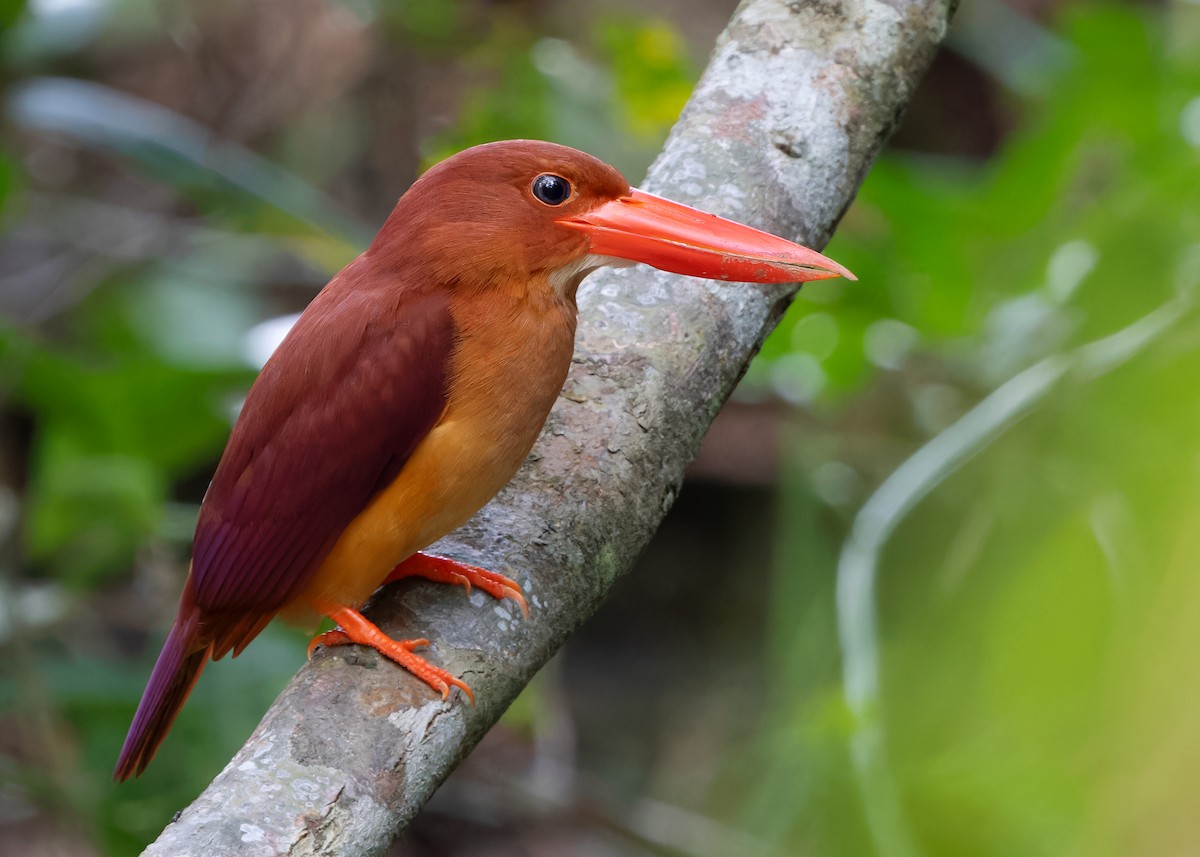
(179, 664)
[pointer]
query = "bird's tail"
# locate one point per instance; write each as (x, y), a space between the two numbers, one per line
(179, 664)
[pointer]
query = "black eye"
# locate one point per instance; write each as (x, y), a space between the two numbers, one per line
(551, 189)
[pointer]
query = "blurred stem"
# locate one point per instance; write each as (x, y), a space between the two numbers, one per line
(890, 504)
(107, 118)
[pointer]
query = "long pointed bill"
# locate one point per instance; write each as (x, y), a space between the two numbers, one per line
(646, 228)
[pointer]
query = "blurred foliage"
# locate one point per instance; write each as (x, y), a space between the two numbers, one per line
(10, 12)
(151, 221)
(996, 252)
(1033, 619)
(617, 93)
(1036, 614)
(651, 74)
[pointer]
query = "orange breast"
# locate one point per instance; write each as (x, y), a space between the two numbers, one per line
(508, 367)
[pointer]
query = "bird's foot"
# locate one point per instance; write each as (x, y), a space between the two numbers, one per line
(356, 628)
(336, 637)
(443, 570)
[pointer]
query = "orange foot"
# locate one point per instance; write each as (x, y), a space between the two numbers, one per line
(355, 628)
(439, 569)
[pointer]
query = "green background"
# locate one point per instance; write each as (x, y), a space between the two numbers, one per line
(953, 610)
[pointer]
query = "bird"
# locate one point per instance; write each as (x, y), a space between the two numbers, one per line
(409, 392)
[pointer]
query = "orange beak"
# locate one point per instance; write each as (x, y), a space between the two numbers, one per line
(646, 228)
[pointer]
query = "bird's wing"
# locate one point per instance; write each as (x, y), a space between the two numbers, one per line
(330, 421)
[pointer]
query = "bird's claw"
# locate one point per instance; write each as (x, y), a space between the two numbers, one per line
(336, 637)
(355, 628)
(441, 569)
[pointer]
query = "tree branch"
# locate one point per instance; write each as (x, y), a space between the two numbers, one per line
(797, 100)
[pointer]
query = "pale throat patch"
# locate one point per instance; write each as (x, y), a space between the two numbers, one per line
(565, 279)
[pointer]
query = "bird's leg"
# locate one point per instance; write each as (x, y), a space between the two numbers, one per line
(440, 569)
(353, 627)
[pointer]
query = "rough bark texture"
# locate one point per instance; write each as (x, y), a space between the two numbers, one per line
(796, 102)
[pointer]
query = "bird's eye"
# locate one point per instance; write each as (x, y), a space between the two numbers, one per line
(551, 189)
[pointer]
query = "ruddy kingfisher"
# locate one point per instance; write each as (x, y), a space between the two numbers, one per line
(410, 391)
